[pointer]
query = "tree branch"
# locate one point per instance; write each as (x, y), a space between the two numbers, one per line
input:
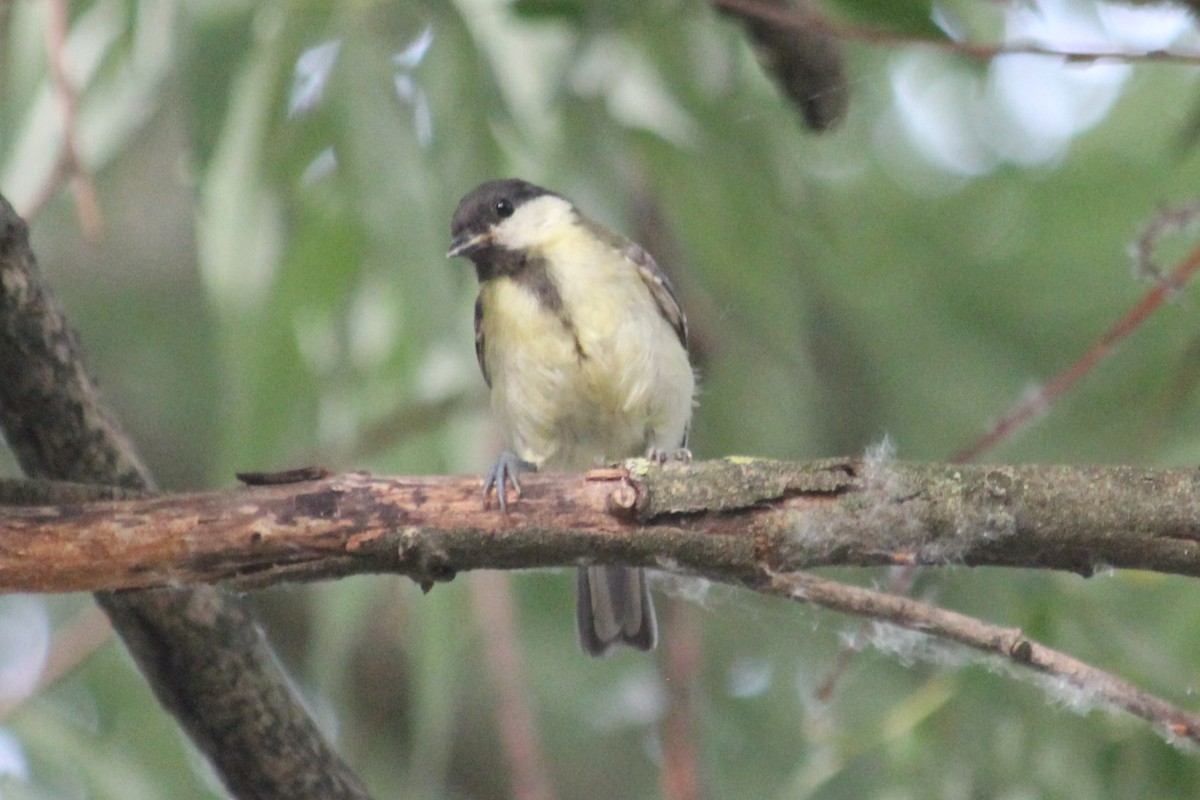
(199, 648)
(742, 521)
(733, 519)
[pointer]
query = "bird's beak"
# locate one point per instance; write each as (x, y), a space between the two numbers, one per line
(465, 245)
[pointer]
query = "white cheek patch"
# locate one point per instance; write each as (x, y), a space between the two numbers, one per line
(533, 223)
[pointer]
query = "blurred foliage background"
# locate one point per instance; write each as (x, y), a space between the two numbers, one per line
(267, 288)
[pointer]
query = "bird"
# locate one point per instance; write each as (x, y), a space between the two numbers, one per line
(583, 345)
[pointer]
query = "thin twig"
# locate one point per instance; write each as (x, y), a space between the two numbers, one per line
(515, 720)
(809, 19)
(683, 653)
(1096, 686)
(900, 582)
(1030, 406)
(69, 164)
(1167, 220)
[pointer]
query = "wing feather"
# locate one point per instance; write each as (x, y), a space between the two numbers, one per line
(651, 274)
(660, 289)
(480, 354)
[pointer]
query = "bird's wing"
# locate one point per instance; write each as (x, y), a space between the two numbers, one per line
(479, 343)
(660, 289)
(664, 296)
(650, 273)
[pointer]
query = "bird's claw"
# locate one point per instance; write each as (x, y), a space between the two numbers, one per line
(661, 456)
(505, 472)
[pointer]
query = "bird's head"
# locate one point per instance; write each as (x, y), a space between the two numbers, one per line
(505, 218)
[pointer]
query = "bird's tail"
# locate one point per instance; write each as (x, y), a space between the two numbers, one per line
(615, 609)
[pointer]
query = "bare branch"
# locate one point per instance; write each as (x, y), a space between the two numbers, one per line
(740, 521)
(734, 517)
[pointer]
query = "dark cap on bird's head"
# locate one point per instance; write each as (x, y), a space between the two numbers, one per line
(471, 228)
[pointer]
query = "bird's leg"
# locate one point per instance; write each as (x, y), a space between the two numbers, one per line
(505, 472)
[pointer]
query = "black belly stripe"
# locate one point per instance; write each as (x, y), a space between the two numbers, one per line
(580, 355)
(535, 277)
(533, 274)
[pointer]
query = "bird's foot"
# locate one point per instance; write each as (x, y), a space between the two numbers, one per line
(504, 473)
(660, 456)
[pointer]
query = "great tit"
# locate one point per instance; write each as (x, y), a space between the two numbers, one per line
(583, 345)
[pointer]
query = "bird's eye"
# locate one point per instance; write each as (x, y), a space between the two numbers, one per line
(504, 207)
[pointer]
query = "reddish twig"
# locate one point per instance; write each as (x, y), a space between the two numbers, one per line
(514, 718)
(683, 651)
(901, 583)
(808, 19)
(69, 164)
(1033, 404)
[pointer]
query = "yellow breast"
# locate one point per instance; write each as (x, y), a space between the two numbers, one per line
(603, 378)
